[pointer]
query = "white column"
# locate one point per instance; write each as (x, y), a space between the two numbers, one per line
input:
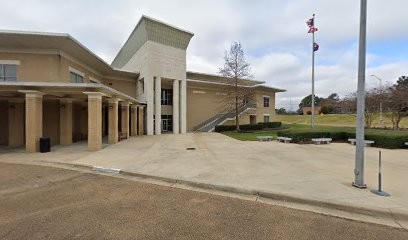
(176, 107)
(157, 105)
(149, 86)
(183, 106)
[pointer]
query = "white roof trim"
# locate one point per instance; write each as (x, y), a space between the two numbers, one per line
(218, 83)
(73, 85)
(159, 21)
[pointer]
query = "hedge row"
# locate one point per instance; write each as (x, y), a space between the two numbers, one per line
(382, 138)
(271, 124)
(249, 127)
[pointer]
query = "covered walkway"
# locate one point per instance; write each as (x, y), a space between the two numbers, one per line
(66, 113)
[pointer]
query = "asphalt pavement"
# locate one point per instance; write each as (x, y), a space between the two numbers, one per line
(38, 202)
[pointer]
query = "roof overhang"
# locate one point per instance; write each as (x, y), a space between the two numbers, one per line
(214, 79)
(63, 90)
(58, 43)
(267, 88)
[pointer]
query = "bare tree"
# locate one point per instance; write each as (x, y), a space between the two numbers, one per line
(236, 70)
(372, 101)
(348, 104)
(396, 104)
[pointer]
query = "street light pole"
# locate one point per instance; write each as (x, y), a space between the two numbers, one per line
(381, 92)
(360, 141)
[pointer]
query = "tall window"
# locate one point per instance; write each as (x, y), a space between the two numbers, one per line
(166, 97)
(76, 78)
(245, 100)
(266, 102)
(8, 72)
(266, 118)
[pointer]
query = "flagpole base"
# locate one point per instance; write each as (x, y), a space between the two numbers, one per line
(380, 193)
(364, 186)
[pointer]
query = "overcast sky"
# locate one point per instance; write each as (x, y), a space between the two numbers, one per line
(272, 32)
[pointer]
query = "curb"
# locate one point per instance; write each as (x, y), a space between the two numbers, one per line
(279, 196)
(401, 215)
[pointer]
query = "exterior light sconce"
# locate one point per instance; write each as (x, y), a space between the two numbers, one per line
(62, 106)
(110, 107)
(12, 106)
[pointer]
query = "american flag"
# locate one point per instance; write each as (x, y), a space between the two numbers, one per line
(315, 47)
(310, 24)
(312, 30)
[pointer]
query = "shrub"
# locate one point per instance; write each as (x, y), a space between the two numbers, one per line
(327, 109)
(305, 135)
(309, 112)
(245, 127)
(382, 138)
(271, 124)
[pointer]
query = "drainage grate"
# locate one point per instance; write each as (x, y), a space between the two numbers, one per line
(190, 149)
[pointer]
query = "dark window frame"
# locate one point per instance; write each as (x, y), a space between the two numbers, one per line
(74, 77)
(3, 73)
(167, 97)
(169, 121)
(267, 116)
(266, 104)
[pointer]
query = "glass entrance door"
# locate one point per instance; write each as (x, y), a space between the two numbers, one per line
(167, 123)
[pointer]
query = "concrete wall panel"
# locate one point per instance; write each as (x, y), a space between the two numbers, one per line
(51, 121)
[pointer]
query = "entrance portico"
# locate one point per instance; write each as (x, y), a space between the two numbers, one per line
(168, 107)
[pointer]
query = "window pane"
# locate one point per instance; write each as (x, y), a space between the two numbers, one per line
(72, 77)
(266, 119)
(11, 79)
(266, 102)
(2, 71)
(76, 78)
(10, 70)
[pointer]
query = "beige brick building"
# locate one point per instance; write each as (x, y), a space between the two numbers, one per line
(54, 87)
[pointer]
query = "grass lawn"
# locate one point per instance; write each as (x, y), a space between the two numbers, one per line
(251, 136)
(333, 120)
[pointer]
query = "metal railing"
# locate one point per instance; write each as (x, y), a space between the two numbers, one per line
(211, 123)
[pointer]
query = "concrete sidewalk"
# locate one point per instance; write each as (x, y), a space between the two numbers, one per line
(320, 173)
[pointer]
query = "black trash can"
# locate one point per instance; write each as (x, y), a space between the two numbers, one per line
(45, 145)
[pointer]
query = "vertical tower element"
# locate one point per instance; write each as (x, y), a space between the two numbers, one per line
(156, 49)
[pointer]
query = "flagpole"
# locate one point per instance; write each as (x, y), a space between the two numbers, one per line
(313, 75)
